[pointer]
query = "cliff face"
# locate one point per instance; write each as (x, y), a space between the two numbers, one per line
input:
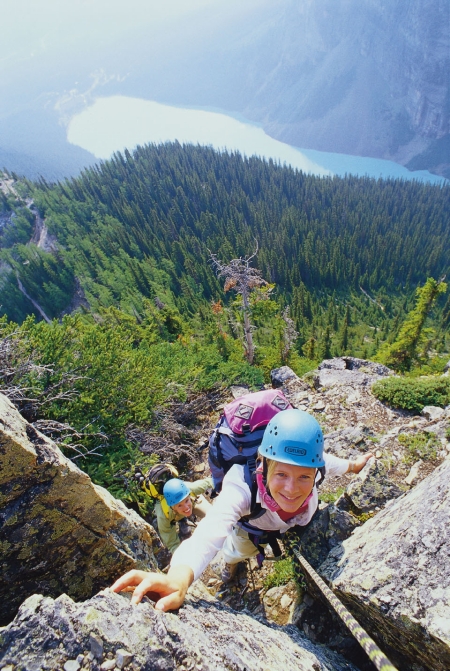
(393, 574)
(363, 77)
(367, 78)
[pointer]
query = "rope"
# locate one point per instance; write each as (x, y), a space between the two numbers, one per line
(376, 656)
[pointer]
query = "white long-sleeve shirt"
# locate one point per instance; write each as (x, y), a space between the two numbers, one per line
(233, 503)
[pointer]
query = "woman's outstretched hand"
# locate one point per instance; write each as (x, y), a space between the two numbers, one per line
(168, 590)
(356, 465)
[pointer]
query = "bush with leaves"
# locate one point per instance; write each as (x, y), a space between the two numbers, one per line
(282, 573)
(413, 393)
(102, 374)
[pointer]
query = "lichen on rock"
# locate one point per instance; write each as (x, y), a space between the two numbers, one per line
(203, 635)
(393, 573)
(59, 533)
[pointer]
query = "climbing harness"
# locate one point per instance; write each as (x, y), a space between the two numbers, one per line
(376, 656)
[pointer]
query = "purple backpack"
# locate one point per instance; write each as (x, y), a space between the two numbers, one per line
(240, 429)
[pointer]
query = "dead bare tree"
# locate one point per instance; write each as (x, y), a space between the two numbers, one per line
(290, 335)
(20, 377)
(68, 438)
(178, 427)
(243, 279)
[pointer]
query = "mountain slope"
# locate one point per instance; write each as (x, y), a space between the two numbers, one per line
(367, 78)
(145, 223)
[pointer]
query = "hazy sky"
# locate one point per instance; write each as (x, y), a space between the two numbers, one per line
(30, 27)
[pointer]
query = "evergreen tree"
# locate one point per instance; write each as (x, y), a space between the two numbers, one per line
(412, 343)
(325, 345)
(343, 340)
(309, 348)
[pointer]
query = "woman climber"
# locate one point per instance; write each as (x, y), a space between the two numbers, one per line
(244, 516)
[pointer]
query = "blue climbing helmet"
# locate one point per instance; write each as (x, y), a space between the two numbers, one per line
(293, 437)
(175, 491)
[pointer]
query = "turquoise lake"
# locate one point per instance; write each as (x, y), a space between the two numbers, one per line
(117, 122)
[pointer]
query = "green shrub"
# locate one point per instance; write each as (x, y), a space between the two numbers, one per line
(413, 393)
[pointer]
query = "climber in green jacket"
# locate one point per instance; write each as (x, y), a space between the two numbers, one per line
(184, 500)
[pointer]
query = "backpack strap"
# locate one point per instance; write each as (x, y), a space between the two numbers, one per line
(165, 506)
(256, 510)
(257, 536)
(219, 461)
(250, 479)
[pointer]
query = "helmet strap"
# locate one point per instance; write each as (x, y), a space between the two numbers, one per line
(264, 469)
(321, 471)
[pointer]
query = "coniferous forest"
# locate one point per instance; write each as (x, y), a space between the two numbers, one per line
(140, 316)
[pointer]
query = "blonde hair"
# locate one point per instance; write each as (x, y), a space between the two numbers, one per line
(271, 465)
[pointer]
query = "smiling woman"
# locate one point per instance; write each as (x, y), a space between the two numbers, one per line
(248, 515)
(290, 485)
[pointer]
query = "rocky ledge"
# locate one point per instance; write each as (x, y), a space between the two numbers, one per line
(59, 533)
(108, 632)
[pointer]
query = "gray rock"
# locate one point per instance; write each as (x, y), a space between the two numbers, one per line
(237, 390)
(296, 389)
(273, 596)
(349, 371)
(371, 488)
(278, 376)
(393, 573)
(204, 635)
(330, 526)
(58, 531)
(123, 657)
(433, 413)
(96, 645)
(349, 441)
(108, 665)
(72, 665)
(413, 473)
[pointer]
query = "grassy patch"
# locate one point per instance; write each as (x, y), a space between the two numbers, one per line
(283, 572)
(422, 445)
(331, 497)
